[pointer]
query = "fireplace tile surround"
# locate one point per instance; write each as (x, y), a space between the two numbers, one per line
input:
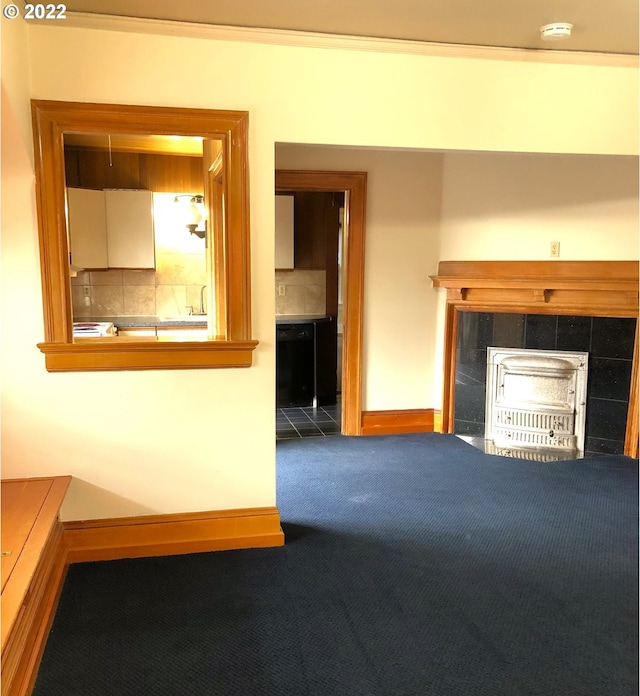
(608, 340)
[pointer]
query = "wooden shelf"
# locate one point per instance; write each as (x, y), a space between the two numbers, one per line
(606, 288)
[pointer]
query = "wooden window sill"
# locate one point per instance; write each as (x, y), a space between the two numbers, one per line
(146, 353)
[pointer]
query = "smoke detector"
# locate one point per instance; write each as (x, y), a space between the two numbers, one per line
(556, 31)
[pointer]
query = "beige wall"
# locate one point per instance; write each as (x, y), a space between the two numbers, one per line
(174, 441)
(384, 99)
(135, 442)
(512, 206)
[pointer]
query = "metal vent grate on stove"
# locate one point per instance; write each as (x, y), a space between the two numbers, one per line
(534, 428)
(534, 420)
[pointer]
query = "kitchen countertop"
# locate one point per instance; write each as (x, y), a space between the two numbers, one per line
(301, 318)
(148, 320)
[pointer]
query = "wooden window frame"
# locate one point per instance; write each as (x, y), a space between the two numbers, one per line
(233, 346)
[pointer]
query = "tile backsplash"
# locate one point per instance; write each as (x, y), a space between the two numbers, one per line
(132, 293)
(175, 285)
(304, 292)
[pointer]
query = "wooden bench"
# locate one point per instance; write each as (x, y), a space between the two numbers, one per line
(33, 569)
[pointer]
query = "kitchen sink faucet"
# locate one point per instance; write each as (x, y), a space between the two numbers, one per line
(202, 289)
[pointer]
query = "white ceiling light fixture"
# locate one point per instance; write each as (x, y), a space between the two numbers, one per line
(557, 31)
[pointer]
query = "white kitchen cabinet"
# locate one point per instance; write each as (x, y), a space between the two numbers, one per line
(284, 232)
(111, 228)
(87, 228)
(130, 241)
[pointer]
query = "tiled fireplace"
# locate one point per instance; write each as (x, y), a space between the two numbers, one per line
(608, 341)
(588, 307)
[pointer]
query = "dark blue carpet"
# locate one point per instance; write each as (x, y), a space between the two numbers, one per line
(415, 566)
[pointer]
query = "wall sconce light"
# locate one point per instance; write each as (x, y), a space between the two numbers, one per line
(194, 213)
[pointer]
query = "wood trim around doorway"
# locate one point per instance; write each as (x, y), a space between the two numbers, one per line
(354, 184)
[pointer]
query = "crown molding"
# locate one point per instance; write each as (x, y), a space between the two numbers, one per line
(280, 37)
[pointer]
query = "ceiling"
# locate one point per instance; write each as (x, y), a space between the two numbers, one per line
(603, 26)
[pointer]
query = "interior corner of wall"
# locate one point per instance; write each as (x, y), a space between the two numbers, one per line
(16, 78)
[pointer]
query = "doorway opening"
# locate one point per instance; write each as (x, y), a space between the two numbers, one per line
(351, 185)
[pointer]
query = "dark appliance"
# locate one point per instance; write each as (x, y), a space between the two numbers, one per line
(326, 361)
(295, 365)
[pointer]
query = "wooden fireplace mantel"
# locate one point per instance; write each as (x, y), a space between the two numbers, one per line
(587, 288)
(606, 288)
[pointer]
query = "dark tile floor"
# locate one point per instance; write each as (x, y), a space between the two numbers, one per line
(307, 422)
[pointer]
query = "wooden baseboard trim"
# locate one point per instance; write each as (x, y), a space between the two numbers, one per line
(168, 535)
(398, 422)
